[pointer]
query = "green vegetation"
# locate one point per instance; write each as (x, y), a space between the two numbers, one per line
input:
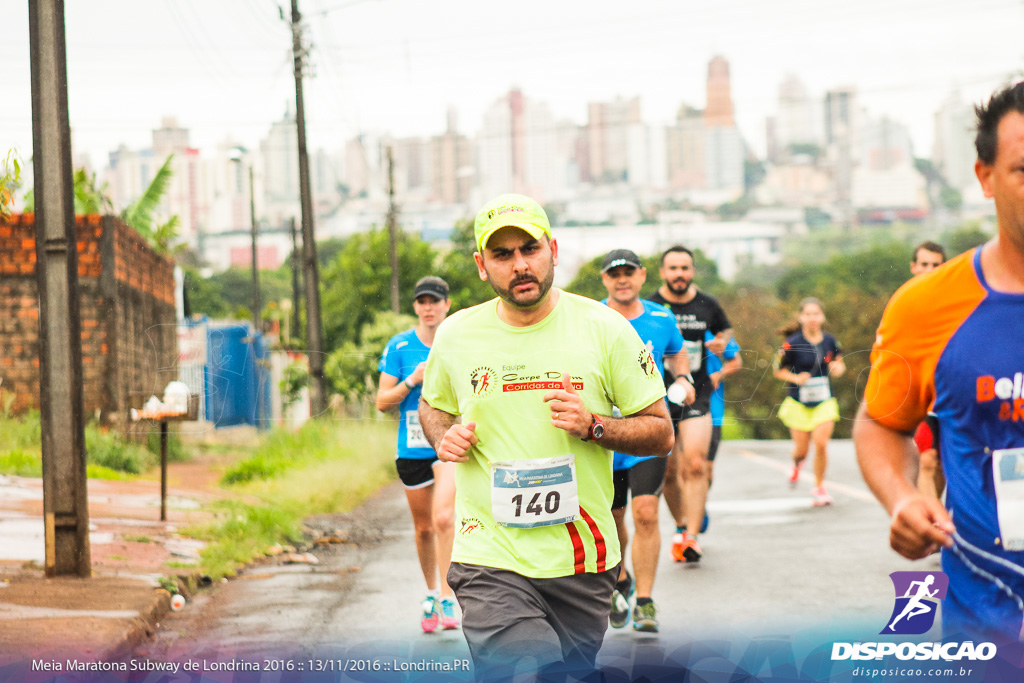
(137, 539)
(111, 450)
(325, 467)
(10, 180)
(109, 455)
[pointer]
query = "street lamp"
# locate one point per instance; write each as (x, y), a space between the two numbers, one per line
(236, 156)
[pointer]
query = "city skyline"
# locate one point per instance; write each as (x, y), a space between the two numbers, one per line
(395, 67)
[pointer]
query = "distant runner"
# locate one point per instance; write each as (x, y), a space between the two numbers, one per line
(429, 483)
(805, 362)
(686, 481)
(718, 371)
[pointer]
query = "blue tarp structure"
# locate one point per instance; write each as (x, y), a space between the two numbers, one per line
(235, 374)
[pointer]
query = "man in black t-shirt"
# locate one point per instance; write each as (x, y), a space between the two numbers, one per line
(686, 479)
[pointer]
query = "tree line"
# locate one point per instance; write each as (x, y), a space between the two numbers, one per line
(853, 285)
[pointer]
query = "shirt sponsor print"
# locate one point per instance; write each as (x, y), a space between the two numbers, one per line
(483, 380)
(1007, 391)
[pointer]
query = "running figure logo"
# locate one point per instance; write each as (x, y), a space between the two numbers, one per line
(917, 599)
(482, 380)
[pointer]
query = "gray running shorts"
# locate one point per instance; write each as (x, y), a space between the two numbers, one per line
(515, 624)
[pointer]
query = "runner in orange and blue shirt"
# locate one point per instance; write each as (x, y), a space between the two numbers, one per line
(951, 340)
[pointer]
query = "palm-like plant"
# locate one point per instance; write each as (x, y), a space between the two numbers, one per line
(10, 179)
(140, 213)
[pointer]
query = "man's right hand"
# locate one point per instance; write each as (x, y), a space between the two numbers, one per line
(920, 526)
(456, 442)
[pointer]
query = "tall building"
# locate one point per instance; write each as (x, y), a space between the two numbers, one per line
(884, 144)
(182, 198)
(842, 130)
(452, 163)
(647, 161)
(718, 112)
(953, 150)
(517, 150)
(799, 118)
(280, 152)
(685, 149)
(608, 125)
(886, 176)
(723, 145)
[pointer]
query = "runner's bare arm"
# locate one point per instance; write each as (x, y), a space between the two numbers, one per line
(679, 363)
(645, 432)
(450, 440)
(721, 340)
(888, 461)
(837, 367)
(680, 366)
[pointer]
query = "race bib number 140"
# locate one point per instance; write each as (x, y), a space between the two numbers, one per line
(533, 493)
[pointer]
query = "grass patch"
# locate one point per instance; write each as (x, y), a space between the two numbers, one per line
(734, 429)
(101, 472)
(178, 564)
(323, 468)
(108, 454)
(175, 449)
(241, 533)
(21, 463)
(109, 449)
(137, 539)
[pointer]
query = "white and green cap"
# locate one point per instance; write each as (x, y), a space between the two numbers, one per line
(510, 210)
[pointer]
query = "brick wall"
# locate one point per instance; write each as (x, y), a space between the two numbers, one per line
(126, 298)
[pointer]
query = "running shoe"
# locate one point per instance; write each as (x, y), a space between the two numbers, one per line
(431, 614)
(704, 522)
(619, 616)
(821, 497)
(645, 618)
(449, 620)
(620, 610)
(794, 476)
(677, 546)
(691, 549)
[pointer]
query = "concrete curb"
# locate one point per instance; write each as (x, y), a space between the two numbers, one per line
(141, 628)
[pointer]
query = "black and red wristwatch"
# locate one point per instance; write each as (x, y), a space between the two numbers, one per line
(596, 429)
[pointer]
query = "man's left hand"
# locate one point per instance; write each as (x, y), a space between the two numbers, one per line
(567, 409)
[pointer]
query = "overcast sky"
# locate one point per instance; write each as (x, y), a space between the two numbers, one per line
(222, 67)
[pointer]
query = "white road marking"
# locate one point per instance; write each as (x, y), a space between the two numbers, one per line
(857, 493)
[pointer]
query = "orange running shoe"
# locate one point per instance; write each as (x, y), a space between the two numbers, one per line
(677, 546)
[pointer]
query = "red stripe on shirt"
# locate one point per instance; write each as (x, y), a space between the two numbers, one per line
(602, 551)
(579, 555)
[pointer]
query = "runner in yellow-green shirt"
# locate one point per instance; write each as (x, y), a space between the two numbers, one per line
(519, 391)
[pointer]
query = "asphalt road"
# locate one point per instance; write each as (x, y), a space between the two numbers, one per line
(775, 567)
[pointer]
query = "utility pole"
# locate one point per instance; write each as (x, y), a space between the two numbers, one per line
(314, 329)
(296, 263)
(256, 307)
(65, 506)
(392, 230)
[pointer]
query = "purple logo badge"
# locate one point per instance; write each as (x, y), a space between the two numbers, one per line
(917, 601)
